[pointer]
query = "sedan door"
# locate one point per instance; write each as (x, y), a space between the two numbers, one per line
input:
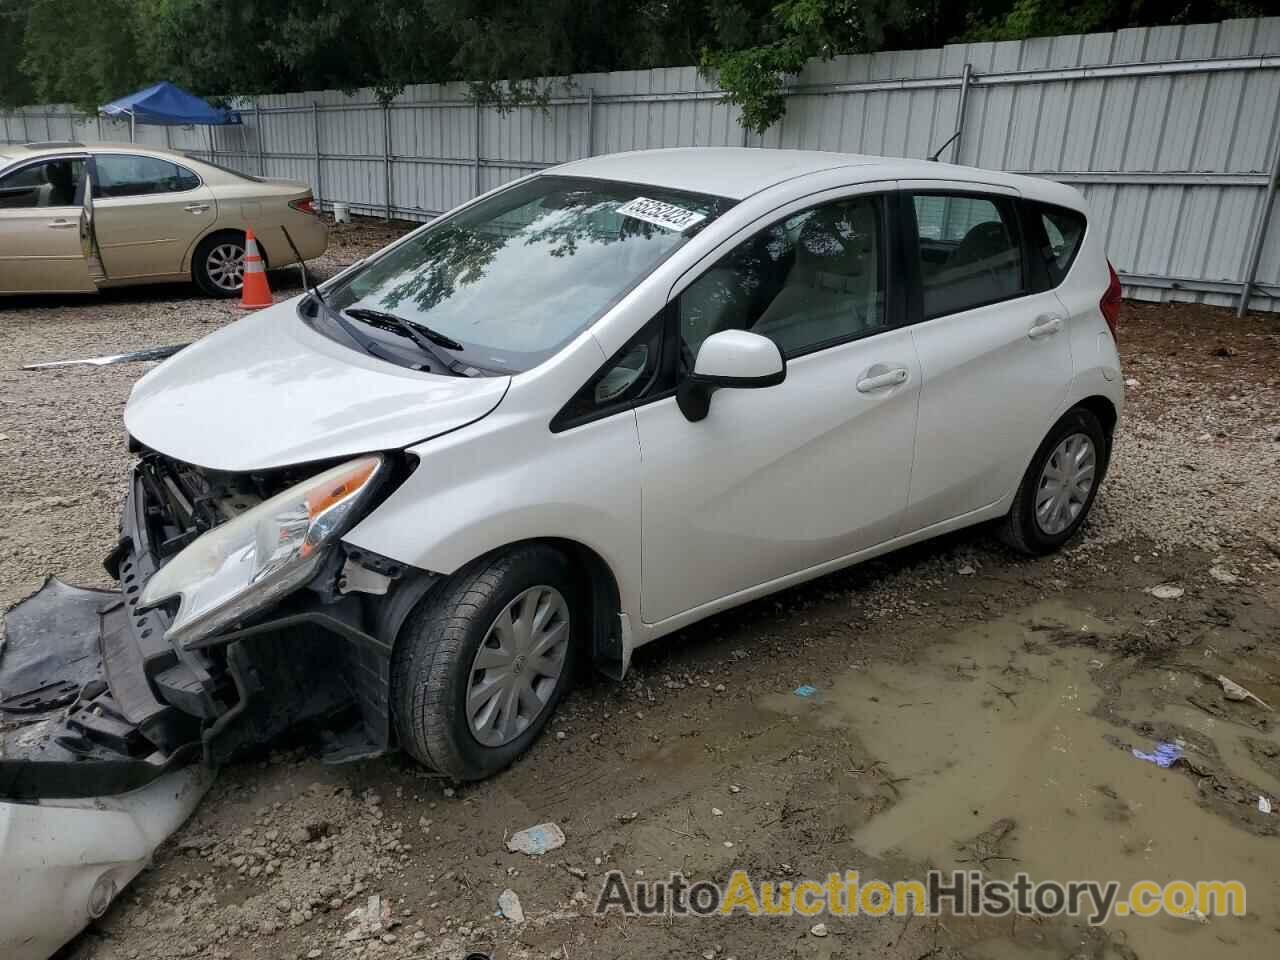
(39, 217)
(996, 354)
(149, 211)
(776, 482)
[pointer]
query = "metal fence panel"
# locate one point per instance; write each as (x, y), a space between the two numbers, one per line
(1172, 133)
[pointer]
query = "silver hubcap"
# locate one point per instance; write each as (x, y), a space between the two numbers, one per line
(517, 666)
(225, 266)
(1065, 483)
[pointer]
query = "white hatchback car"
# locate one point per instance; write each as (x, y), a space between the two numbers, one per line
(567, 418)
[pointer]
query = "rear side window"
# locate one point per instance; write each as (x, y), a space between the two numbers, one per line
(969, 249)
(127, 175)
(1056, 233)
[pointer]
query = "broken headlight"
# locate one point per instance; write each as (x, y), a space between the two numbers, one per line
(254, 559)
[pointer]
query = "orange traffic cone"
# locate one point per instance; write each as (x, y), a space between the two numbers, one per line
(255, 292)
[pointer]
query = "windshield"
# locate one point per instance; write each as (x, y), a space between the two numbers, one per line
(515, 277)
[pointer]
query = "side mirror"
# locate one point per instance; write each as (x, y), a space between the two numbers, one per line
(734, 359)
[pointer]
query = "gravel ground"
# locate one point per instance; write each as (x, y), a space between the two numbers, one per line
(285, 852)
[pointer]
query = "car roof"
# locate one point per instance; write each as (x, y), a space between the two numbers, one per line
(26, 151)
(740, 172)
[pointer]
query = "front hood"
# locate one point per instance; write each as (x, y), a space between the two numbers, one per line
(268, 391)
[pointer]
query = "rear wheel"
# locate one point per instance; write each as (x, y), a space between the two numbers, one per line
(483, 661)
(218, 264)
(1059, 486)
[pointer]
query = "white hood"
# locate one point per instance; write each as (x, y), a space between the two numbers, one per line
(269, 391)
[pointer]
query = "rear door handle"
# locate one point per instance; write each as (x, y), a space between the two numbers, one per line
(62, 224)
(882, 381)
(1045, 326)
(196, 208)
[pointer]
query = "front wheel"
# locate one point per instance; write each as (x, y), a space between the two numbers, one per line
(482, 663)
(1059, 486)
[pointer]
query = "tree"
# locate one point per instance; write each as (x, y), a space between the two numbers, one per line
(15, 85)
(794, 32)
(82, 53)
(91, 51)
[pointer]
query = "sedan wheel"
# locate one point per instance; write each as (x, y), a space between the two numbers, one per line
(225, 266)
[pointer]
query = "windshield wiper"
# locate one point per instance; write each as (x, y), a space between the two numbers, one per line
(411, 329)
(366, 343)
(422, 337)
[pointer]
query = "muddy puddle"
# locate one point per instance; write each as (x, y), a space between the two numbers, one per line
(1012, 723)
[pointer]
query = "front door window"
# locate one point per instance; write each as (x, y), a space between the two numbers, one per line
(812, 280)
(48, 183)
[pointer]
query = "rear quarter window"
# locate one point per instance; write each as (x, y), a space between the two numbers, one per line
(1057, 233)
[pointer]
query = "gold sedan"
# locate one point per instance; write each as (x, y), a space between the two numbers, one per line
(78, 217)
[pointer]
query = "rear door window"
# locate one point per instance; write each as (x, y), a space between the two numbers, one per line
(128, 175)
(969, 250)
(1056, 234)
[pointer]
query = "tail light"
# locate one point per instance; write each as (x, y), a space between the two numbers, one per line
(305, 205)
(1110, 302)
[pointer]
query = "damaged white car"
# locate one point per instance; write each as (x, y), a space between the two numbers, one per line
(572, 416)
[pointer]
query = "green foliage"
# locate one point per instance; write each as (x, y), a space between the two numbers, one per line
(84, 53)
(795, 31)
(87, 52)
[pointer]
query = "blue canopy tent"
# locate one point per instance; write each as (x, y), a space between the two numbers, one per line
(164, 104)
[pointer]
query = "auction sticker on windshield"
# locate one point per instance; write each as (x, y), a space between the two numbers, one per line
(665, 215)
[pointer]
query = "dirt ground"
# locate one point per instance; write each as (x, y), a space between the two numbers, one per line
(968, 707)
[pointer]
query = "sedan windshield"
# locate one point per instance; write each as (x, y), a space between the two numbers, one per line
(515, 277)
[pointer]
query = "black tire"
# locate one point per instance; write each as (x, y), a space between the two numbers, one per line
(431, 669)
(1021, 529)
(204, 269)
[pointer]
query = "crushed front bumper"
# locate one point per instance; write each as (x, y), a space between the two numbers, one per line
(95, 702)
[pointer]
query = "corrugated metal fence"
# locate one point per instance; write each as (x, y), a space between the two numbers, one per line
(1173, 133)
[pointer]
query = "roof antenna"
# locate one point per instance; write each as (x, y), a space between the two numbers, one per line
(938, 152)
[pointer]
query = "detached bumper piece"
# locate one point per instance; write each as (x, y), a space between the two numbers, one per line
(77, 716)
(64, 861)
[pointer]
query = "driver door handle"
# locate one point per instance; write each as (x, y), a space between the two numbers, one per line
(1046, 325)
(62, 224)
(882, 381)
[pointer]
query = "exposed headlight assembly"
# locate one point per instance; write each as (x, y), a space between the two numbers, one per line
(254, 559)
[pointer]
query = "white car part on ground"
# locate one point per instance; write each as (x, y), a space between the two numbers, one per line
(64, 861)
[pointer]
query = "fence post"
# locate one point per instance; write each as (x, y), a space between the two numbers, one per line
(591, 122)
(168, 136)
(257, 118)
(386, 150)
(26, 133)
(315, 124)
(1260, 238)
(476, 188)
(960, 109)
(6, 127)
